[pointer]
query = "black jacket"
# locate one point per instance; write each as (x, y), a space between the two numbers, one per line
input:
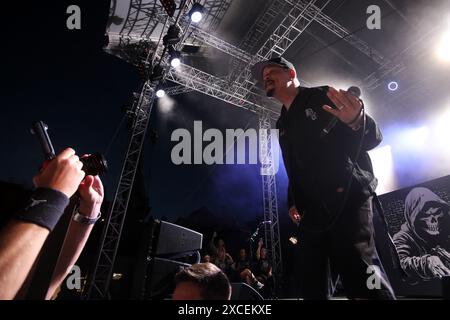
(319, 166)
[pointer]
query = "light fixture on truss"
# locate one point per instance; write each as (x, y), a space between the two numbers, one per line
(174, 57)
(196, 12)
(173, 36)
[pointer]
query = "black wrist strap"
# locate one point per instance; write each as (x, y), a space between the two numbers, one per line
(44, 208)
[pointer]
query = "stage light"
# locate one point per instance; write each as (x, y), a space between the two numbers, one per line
(293, 240)
(175, 59)
(173, 36)
(196, 12)
(383, 168)
(160, 93)
(443, 50)
(412, 139)
(442, 132)
(393, 86)
(175, 62)
(418, 137)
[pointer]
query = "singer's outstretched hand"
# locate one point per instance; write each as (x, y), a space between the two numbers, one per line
(348, 106)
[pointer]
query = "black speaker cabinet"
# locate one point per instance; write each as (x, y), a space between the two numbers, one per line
(165, 249)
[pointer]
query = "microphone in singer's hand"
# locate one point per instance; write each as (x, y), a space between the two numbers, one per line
(355, 91)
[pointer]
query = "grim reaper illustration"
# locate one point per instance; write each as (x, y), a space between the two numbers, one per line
(423, 242)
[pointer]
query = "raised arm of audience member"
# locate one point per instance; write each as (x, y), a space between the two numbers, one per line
(91, 198)
(258, 250)
(211, 245)
(229, 259)
(23, 237)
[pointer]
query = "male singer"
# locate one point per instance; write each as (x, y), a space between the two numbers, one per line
(324, 137)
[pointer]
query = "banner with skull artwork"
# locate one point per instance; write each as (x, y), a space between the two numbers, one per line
(418, 220)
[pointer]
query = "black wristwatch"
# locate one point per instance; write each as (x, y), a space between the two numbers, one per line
(78, 217)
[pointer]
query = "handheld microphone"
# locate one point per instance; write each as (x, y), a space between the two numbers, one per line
(355, 91)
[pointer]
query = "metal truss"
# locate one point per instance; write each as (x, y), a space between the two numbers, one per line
(215, 42)
(327, 22)
(386, 67)
(98, 283)
(256, 31)
(140, 18)
(393, 68)
(129, 48)
(124, 46)
(199, 35)
(218, 88)
(215, 11)
(141, 22)
(292, 26)
(131, 42)
(281, 39)
(375, 79)
(143, 18)
(178, 89)
(270, 202)
(261, 25)
(311, 11)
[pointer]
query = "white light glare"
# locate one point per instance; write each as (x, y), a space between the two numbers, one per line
(442, 132)
(393, 86)
(196, 17)
(443, 50)
(166, 104)
(419, 136)
(175, 62)
(160, 93)
(383, 168)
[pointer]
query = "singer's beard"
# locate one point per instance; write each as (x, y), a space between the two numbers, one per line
(270, 92)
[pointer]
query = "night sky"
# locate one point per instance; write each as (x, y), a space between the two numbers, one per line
(62, 77)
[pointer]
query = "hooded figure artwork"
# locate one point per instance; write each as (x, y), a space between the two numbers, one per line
(423, 242)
